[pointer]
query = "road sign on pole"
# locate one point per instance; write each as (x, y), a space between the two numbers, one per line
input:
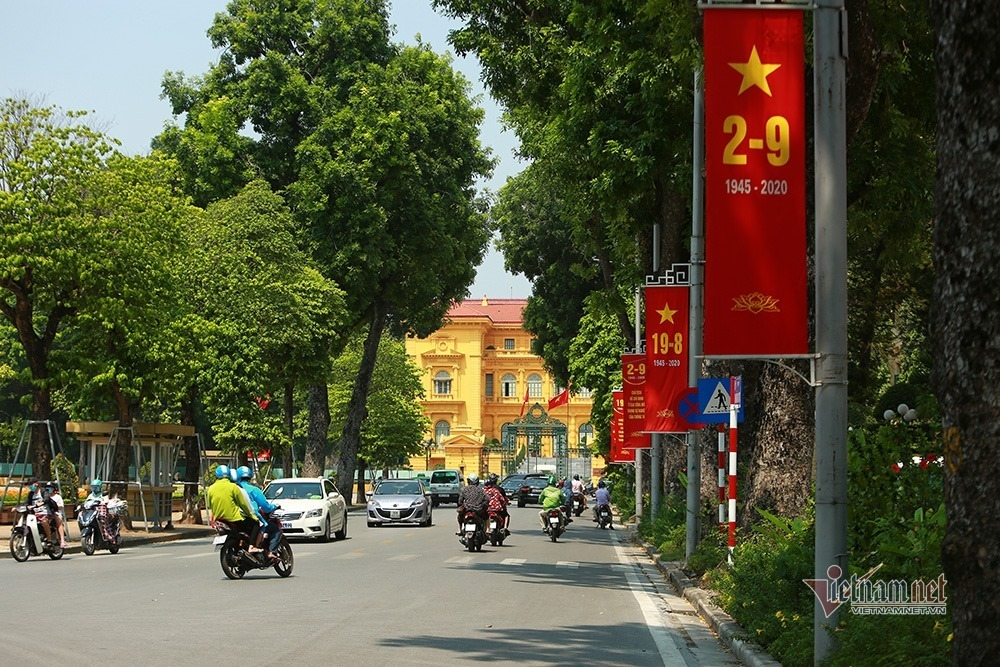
(714, 399)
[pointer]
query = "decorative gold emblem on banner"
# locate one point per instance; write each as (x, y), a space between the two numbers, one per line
(665, 414)
(756, 303)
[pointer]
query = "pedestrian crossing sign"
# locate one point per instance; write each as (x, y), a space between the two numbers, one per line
(714, 399)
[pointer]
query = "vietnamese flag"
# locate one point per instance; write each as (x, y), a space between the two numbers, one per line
(525, 404)
(562, 398)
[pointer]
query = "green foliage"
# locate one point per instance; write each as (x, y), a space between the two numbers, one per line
(620, 480)
(904, 641)
(710, 553)
(67, 478)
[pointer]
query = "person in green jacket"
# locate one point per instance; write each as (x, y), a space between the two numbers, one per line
(227, 502)
(550, 498)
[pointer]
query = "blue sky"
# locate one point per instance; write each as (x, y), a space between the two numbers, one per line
(109, 56)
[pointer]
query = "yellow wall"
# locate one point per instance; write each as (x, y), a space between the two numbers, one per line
(462, 349)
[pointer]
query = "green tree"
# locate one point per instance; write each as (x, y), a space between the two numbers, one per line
(51, 250)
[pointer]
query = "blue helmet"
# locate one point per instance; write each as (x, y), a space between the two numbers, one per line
(232, 475)
(244, 472)
(221, 471)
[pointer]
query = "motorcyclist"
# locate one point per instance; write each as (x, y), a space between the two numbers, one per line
(228, 502)
(96, 492)
(497, 500)
(550, 498)
(567, 491)
(578, 489)
(472, 498)
(43, 511)
(97, 495)
(270, 528)
(602, 497)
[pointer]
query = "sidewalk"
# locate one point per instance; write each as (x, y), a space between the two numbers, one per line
(134, 537)
(729, 631)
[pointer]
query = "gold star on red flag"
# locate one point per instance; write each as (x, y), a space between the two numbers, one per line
(666, 314)
(755, 72)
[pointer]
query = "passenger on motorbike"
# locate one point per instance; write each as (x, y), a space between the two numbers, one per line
(269, 528)
(601, 497)
(228, 502)
(550, 498)
(57, 506)
(567, 491)
(472, 498)
(37, 501)
(497, 500)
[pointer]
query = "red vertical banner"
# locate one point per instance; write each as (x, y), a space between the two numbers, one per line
(666, 357)
(617, 454)
(633, 383)
(755, 187)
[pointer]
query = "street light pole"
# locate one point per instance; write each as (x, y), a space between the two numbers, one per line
(829, 60)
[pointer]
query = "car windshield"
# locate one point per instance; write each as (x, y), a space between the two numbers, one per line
(403, 487)
(536, 483)
(294, 491)
(443, 477)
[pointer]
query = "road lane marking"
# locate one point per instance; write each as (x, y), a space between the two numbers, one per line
(514, 561)
(351, 555)
(201, 555)
(405, 557)
(567, 563)
(146, 556)
(460, 560)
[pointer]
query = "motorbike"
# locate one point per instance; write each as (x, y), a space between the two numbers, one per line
(27, 538)
(101, 525)
(233, 546)
(604, 517)
(473, 534)
(495, 530)
(577, 504)
(555, 524)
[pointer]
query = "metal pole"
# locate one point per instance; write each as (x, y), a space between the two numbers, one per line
(696, 324)
(656, 453)
(733, 433)
(830, 51)
(722, 478)
(638, 452)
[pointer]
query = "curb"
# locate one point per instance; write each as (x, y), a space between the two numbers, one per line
(729, 631)
(135, 539)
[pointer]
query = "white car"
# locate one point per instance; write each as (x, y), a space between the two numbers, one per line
(309, 507)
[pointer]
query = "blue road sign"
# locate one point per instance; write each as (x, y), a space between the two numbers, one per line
(713, 401)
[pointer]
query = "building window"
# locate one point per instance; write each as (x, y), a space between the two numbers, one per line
(583, 392)
(441, 431)
(489, 384)
(556, 388)
(508, 385)
(442, 383)
(535, 385)
(586, 435)
(508, 343)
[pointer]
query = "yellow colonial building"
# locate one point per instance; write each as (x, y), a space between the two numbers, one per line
(487, 397)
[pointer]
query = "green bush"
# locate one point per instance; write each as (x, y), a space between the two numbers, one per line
(68, 480)
(710, 553)
(906, 641)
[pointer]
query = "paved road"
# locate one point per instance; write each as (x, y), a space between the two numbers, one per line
(391, 595)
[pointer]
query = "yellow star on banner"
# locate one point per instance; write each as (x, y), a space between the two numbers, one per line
(666, 315)
(754, 72)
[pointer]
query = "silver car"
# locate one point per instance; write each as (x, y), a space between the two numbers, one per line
(310, 507)
(399, 501)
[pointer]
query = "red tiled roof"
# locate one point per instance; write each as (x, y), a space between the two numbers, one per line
(508, 311)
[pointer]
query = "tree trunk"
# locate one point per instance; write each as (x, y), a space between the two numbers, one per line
(191, 512)
(361, 482)
(357, 409)
(317, 431)
(287, 459)
(40, 447)
(123, 453)
(964, 316)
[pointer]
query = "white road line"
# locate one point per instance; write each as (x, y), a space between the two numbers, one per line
(352, 555)
(147, 556)
(405, 557)
(513, 561)
(567, 563)
(199, 555)
(669, 652)
(618, 567)
(303, 554)
(460, 560)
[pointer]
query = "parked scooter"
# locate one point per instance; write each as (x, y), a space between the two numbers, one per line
(236, 559)
(101, 524)
(555, 524)
(473, 534)
(28, 539)
(604, 517)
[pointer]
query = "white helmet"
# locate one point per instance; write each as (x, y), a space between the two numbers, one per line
(473, 479)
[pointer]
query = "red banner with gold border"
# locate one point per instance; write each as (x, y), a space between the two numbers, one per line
(634, 398)
(755, 188)
(617, 453)
(666, 356)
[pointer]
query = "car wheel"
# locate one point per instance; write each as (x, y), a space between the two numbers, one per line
(342, 533)
(325, 537)
(520, 503)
